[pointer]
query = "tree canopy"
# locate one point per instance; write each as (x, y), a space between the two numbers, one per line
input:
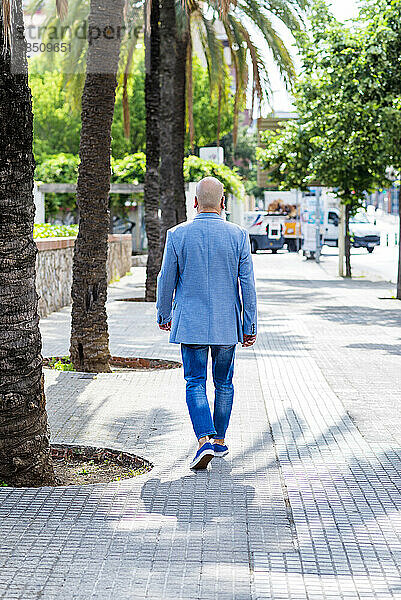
(348, 111)
(340, 137)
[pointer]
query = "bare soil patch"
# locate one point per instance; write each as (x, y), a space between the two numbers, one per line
(121, 362)
(82, 465)
(135, 299)
(117, 363)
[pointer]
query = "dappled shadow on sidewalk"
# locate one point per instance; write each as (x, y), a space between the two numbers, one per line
(105, 411)
(389, 348)
(346, 500)
(359, 315)
(340, 283)
(153, 531)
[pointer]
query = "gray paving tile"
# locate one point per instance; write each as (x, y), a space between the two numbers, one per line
(306, 505)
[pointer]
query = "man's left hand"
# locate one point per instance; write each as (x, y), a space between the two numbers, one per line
(165, 326)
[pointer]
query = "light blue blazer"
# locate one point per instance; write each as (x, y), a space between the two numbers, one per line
(204, 262)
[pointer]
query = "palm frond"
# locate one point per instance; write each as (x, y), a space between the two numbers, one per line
(183, 10)
(238, 56)
(125, 100)
(219, 115)
(34, 6)
(291, 15)
(7, 19)
(225, 5)
(212, 47)
(251, 9)
(299, 6)
(261, 83)
(62, 9)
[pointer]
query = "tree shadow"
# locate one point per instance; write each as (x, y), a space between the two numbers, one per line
(389, 348)
(340, 283)
(72, 419)
(150, 533)
(359, 315)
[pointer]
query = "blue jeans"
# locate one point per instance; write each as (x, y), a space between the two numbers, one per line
(194, 358)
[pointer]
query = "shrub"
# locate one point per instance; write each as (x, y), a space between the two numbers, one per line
(63, 168)
(46, 230)
(130, 169)
(196, 168)
(58, 168)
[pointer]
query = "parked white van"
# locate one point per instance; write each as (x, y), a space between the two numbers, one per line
(363, 233)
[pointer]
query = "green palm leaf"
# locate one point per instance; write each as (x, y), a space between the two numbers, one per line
(257, 16)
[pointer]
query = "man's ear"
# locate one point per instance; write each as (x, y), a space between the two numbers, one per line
(223, 202)
(196, 202)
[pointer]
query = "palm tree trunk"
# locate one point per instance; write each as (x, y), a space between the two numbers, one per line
(152, 187)
(25, 458)
(89, 332)
(190, 95)
(179, 126)
(167, 112)
(347, 243)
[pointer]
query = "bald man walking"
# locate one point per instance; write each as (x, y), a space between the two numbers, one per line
(205, 262)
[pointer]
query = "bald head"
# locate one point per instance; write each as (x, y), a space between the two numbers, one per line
(209, 193)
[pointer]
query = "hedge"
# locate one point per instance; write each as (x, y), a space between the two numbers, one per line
(63, 168)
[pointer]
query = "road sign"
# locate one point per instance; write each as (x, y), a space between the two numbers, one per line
(214, 153)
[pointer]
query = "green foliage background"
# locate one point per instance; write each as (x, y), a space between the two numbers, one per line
(57, 121)
(63, 168)
(343, 137)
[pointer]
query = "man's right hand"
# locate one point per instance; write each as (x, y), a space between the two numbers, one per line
(249, 340)
(165, 326)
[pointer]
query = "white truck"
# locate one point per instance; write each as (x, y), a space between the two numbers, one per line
(272, 231)
(266, 230)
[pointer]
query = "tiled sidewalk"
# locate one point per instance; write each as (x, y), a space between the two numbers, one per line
(304, 507)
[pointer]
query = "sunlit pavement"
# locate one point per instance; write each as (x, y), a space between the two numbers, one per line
(306, 506)
(381, 264)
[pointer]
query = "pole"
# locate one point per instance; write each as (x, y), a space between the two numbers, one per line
(317, 254)
(297, 228)
(341, 241)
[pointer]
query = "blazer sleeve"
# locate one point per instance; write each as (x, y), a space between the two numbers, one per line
(248, 290)
(166, 282)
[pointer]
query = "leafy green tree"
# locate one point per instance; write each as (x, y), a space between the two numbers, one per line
(196, 168)
(63, 168)
(59, 168)
(136, 141)
(206, 109)
(340, 137)
(382, 51)
(56, 127)
(243, 158)
(57, 122)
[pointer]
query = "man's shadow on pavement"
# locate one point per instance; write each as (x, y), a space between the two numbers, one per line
(212, 493)
(223, 507)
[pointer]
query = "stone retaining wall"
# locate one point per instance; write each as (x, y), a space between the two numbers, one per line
(54, 268)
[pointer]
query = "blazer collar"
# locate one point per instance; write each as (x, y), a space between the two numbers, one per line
(208, 215)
